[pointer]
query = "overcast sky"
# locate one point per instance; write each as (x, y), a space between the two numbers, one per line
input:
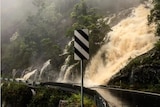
(13, 14)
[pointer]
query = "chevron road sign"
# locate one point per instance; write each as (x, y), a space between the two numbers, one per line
(81, 44)
(81, 52)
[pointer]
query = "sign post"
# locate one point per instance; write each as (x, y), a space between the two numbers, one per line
(82, 97)
(81, 52)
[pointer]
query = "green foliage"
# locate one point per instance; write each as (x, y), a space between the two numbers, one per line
(47, 97)
(152, 88)
(157, 45)
(41, 30)
(20, 95)
(142, 73)
(87, 18)
(155, 12)
(17, 95)
(158, 29)
(42, 36)
(16, 51)
(75, 100)
(39, 39)
(155, 16)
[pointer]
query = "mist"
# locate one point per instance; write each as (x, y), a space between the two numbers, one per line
(14, 14)
(113, 6)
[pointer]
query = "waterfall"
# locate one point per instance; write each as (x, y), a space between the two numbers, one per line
(28, 75)
(69, 73)
(43, 69)
(36, 74)
(66, 69)
(130, 38)
(63, 69)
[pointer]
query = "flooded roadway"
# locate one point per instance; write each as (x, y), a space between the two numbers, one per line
(128, 98)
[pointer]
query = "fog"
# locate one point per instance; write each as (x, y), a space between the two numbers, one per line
(113, 5)
(15, 12)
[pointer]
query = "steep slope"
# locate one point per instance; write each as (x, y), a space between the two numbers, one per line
(141, 73)
(130, 38)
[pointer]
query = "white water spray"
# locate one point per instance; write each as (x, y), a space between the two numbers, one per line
(69, 72)
(45, 65)
(66, 69)
(63, 69)
(28, 75)
(130, 38)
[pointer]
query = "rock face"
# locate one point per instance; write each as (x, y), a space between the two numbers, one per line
(142, 72)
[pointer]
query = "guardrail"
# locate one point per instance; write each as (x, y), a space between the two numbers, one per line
(18, 80)
(98, 99)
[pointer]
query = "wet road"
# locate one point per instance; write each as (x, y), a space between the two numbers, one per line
(128, 98)
(116, 97)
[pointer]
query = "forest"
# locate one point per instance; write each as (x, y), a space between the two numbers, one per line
(48, 34)
(44, 34)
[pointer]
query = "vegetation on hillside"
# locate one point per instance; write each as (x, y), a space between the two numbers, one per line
(76, 99)
(40, 38)
(44, 35)
(86, 18)
(142, 73)
(154, 17)
(20, 95)
(15, 95)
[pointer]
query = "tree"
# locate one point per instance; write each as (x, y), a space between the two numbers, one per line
(155, 16)
(40, 38)
(16, 95)
(87, 18)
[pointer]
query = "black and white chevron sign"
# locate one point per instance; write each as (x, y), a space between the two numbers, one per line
(81, 44)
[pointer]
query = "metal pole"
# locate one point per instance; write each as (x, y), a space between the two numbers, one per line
(81, 83)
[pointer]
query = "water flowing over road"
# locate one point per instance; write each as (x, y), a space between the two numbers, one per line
(129, 98)
(114, 97)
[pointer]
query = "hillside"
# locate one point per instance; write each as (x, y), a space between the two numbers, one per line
(142, 73)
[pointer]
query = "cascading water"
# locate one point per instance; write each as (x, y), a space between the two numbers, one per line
(63, 69)
(131, 37)
(36, 75)
(28, 75)
(43, 69)
(66, 71)
(69, 72)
